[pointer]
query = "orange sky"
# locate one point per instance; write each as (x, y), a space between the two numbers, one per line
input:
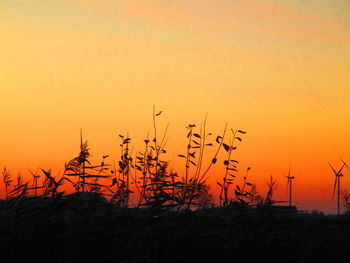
(278, 69)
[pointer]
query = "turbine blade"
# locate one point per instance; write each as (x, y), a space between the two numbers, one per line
(335, 172)
(340, 169)
(347, 167)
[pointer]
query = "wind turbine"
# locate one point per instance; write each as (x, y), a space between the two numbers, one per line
(35, 179)
(337, 183)
(289, 185)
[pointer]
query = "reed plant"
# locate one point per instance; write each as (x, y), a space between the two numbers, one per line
(148, 175)
(20, 189)
(88, 175)
(6, 176)
(120, 187)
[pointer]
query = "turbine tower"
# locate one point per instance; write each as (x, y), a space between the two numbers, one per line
(289, 185)
(337, 175)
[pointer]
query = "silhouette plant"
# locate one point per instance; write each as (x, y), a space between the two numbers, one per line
(244, 197)
(149, 173)
(191, 186)
(267, 201)
(155, 181)
(77, 166)
(51, 185)
(230, 168)
(160, 189)
(204, 199)
(6, 176)
(120, 187)
(20, 189)
(88, 175)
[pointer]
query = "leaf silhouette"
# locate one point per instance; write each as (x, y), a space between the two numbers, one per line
(192, 154)
(197, 135)
(226, 147)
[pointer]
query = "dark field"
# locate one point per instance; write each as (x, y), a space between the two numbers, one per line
(93, 231)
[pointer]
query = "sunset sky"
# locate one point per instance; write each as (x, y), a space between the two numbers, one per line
(278, 69)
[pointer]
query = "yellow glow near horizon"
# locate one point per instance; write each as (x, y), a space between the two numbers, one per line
(278, 69)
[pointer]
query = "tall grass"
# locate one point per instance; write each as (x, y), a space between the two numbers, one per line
(6, 176)
(146, 176)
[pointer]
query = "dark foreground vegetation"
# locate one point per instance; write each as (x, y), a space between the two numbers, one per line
(77, 230)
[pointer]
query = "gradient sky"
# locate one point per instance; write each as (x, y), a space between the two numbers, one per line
(278, 69)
